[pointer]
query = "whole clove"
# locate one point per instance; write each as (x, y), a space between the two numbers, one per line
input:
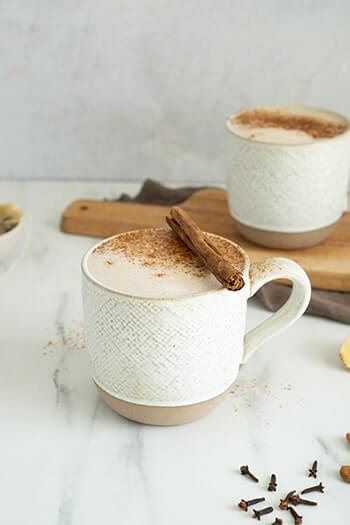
(290, 495)
(243, 504)
(285, 502)
(278, 521)
(245, 472)
(313, 470)
(295, 499)
(273, 483)
(297, 519)
(316, 488)
(258, 513)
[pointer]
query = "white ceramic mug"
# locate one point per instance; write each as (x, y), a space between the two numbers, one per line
(167, 361)
(287, 195)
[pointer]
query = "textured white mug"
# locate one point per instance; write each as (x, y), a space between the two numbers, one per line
(287, 195)
(167, 361)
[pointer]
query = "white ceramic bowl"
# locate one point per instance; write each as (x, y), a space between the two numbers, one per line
(9, 240)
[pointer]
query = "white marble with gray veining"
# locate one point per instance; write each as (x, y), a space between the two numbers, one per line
(67, 459)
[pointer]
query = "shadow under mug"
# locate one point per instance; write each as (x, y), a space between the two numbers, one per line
(288, 196)
(167, 361)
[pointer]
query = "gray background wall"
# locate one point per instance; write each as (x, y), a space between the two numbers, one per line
(132, 89)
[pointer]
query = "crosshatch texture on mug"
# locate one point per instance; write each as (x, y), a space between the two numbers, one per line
(287, 188)
(164, 352)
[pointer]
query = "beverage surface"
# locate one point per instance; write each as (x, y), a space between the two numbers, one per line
(154, 263)
(279, 126)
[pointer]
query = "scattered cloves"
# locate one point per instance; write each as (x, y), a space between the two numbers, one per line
(295, 499)
(245, 471)
(297, 519)
(316, 488)
(273, 483)
(313, 470)
(258, 513)
(243, 504)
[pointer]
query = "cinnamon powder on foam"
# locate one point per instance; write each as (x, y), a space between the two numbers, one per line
(316, 127)
(162, 249)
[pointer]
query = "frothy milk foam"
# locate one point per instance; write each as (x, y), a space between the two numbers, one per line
(284, 126)
(153, 263)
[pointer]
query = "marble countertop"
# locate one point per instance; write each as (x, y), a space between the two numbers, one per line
(67, 459)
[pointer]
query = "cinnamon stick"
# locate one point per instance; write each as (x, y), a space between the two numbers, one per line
(191, 235)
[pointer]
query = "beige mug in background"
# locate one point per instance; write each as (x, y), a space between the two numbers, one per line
(284, 195)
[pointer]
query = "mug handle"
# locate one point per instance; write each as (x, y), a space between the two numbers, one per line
(261, 273)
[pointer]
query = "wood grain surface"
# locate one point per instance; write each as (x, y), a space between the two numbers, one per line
(328, 264)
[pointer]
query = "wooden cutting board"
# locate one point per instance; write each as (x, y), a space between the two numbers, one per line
(328, 264)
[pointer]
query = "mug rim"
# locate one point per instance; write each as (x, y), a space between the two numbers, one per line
(290, 106)
(86, 272)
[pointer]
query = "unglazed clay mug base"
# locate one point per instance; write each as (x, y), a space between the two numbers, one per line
(158, 415)
(168, 361)
(288, 196)
(284, 241)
